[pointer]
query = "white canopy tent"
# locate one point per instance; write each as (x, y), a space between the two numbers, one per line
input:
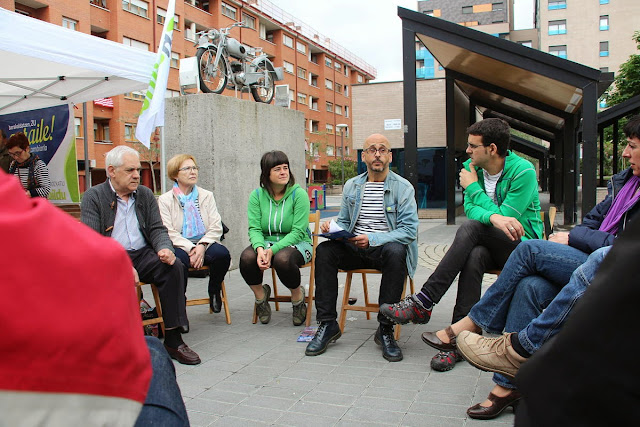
(44, 65)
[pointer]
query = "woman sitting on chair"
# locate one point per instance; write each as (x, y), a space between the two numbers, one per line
(195, 228)
(278, 230)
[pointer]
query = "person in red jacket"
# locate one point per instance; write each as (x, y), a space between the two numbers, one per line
(72, 348)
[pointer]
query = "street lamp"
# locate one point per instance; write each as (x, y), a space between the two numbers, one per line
(342, 128)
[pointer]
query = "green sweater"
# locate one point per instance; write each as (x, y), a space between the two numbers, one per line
(516, 192)
(283, 223)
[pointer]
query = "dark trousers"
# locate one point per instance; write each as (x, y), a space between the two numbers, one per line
(169, 279)
(476, 248)
(216, 257)
(333, 255)
(286, 262)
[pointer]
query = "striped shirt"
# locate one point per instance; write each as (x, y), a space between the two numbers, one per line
(371, 218)
(41, 173)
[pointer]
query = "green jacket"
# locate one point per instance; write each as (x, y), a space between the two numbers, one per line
(283, 223)
(516, 192)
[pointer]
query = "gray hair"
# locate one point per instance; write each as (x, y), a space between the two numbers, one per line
(114, 157)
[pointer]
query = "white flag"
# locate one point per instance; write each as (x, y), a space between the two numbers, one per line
(152, 111)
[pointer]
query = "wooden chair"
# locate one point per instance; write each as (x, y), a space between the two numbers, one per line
(314, 218)
(156, 298)
(548, 218)
(201, 301)
(368, 307)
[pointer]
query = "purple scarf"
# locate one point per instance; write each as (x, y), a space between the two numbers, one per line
(627, 197)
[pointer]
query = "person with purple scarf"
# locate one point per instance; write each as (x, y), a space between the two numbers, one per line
(537, 271)
(194, 224)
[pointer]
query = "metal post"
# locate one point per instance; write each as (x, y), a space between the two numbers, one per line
(87, 165)
(342, 159)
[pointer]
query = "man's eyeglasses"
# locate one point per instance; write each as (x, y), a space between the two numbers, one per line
(474, 146)
(374, 150)
(16, 154)
(189, 169)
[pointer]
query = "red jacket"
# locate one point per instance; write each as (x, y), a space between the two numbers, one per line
(68, 310)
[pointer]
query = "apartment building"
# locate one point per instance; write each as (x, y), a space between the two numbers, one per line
(318, 71)
(596, 33)
(492, 17)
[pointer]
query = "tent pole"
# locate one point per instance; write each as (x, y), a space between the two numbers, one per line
(87, 166)
(163, 172)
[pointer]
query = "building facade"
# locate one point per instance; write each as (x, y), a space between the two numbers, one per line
(319, 72)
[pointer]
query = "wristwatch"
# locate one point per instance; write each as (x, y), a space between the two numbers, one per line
(202, 243)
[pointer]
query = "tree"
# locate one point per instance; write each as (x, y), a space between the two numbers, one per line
(335, 169)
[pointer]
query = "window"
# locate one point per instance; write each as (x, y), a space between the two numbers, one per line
(175, 59)
(302, 98)
(329, 150)
(78, 126)
(137, 7)
(338, 88)
(292, 95)
(560, 51)
(338, 109)
(526, 43)
(129, 132)
(337, 66)
(497, 6)
(228, 11)
(135, 43)
(604, 1)
(346, 91)
(314, 80)
(70, 23)
(263, 31)
(557, 27)
(301, 47)
(288, 67)
(329, 128)
(101, 3)
(101, 131)
(428, 12)
(249, 21)
(315, 126)
(604, 48)
(327, 61)
(360, 78)
(161, 16)
(328, 84)
(604, 22)
(314, 104)
(329, 107)
(287, 41)
(302, 73)
(553, 5)
(467, 9)
(346, 111)
(136, 94)
(314, 58)
(604, 69)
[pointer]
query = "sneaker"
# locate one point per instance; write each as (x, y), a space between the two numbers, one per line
(445, 360)
(262, 306)
(490, 354)
(299, 310)
(327, 333)
(405, 311)
(384, 337)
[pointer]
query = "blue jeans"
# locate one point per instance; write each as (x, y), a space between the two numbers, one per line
(164, 405)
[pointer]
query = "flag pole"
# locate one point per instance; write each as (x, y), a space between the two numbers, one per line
(163, 163)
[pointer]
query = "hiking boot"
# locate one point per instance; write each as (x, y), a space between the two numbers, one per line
(445, 360)
(490, 354)
(405, 311)
(327, 332)
(299, 310)
(262, 306)
(384, 337)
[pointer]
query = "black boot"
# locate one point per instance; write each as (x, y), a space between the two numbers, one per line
(327, 332)
(390, 349)
(215, 302)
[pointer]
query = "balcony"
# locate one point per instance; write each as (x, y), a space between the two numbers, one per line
(425, 73)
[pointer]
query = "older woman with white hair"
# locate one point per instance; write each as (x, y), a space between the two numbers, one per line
(191, 216)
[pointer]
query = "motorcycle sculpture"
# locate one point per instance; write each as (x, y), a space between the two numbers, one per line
(225, 62)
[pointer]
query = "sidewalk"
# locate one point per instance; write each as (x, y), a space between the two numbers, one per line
(258, 374)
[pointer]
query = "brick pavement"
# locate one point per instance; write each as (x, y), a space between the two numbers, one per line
(259, 375)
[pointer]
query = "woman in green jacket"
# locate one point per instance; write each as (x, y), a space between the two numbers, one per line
(279, 234)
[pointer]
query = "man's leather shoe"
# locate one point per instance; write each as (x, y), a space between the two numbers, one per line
(183, 354)
(431, 339)
(390, 349)
(327, 332)
(215, 302)
(498, 404)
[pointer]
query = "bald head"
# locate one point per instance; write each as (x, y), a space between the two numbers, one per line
(376, 139)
